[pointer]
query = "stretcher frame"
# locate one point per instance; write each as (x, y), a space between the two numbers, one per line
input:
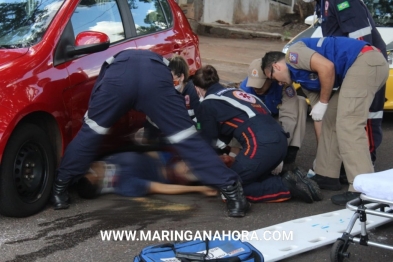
(375, 206)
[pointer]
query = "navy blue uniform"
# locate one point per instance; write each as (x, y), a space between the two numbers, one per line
(352, 19)
(234, 113)
(139, 79)
(191, 100)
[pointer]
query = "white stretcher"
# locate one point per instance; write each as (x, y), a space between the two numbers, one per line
(376, 200)
(325, 229)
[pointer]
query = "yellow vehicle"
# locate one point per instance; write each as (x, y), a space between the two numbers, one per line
(382, 12)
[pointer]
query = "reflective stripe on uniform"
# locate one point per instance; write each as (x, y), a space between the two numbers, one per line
(375, 115)
(233, 102)
(360, 33)
(151, 121)
(320, 41)
(191, 112)
(220, 144)
(182, 135)
(166, 61)
(110, 60)
(94, 126)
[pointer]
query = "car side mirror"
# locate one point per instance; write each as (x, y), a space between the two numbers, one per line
(88, 42)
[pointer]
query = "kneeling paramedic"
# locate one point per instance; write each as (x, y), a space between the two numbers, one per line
(227, 113)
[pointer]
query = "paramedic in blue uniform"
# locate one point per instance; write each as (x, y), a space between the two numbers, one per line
(227, 113)
(283, 103)
(141, 80)
(180, 72)
(320, 65)
(352, 19)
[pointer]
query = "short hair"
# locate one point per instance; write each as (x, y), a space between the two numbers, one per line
(179, 66)
(205, 77)
(270, 58)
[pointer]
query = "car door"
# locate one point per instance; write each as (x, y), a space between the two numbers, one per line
(103, 16)
(154, 28)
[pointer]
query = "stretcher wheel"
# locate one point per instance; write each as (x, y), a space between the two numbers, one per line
(338, 252)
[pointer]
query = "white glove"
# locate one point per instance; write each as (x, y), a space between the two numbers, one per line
(278, 169)
(318, 111)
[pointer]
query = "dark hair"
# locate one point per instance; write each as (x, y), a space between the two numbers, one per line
(270, 58)
(178, 66)
(205, 77)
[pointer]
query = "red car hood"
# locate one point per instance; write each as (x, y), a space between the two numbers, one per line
(9, 55)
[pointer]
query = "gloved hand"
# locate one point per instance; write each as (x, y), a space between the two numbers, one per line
(278, 169)
(318, 111)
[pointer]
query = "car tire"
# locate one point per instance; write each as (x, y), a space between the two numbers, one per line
(27, 172)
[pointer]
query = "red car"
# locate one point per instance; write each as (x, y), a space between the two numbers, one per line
(51, 52)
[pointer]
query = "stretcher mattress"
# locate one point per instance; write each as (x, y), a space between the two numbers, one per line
(377, 185)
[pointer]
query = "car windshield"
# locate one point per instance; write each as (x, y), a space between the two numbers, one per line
(24, 22)
(382, 12)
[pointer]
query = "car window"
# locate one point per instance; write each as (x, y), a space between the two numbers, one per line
(98, 15)
(382, 12)
(148, 16)
(24, 22)
(167, 12)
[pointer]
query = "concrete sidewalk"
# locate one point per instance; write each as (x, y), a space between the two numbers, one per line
(273, 30)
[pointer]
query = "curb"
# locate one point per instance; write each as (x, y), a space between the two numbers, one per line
(230, 32)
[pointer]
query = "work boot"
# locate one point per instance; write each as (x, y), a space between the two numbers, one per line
(297, 187)
(237, 203)
(344, 198)
(60, 196)
(311, 184)
(328, 183)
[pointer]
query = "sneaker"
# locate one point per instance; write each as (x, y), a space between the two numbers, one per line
(344, 198)
(297, 188)
(311, 184)
(327, 182)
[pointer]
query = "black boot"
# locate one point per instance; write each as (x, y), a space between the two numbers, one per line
(237, 203)
(60, 196)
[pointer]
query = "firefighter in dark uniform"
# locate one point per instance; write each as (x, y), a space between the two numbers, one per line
(320, 65)
(227, 113)
(352, 19)
(141, 80)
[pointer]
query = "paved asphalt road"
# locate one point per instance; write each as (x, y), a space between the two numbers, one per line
(74, 234)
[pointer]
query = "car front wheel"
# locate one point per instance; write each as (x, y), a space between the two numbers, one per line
(27, 172)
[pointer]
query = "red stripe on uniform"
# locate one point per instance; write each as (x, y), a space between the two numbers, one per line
(254, 141)
(230, 124)
(248, 143)
(238, 120)
(273, 197)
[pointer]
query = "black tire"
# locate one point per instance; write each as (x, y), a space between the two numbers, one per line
(337, 250)
(27, 172)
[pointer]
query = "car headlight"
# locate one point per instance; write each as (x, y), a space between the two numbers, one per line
(390, 58)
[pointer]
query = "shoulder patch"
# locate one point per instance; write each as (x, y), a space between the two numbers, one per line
(343, 5)
(290, 91)
(244, 96)
(293, 57)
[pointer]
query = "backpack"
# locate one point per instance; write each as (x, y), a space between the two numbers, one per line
(190, 251)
